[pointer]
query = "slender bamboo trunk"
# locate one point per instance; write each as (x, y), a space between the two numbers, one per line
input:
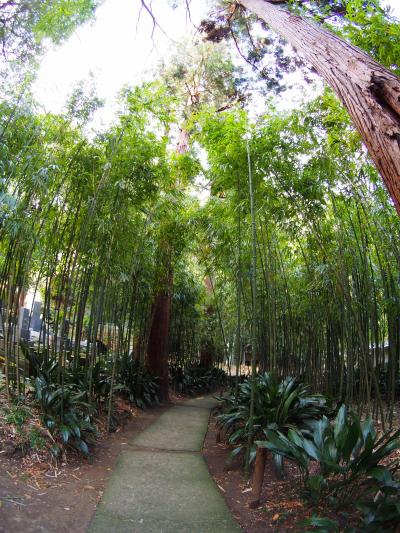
(254, 313)
(238, 285)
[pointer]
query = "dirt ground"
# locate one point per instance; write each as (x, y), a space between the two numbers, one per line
(40, 497)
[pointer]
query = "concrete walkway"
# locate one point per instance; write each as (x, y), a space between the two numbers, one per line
(161, 484)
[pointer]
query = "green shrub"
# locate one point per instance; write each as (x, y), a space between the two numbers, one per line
(36, 439)
(16, 415)
(323, 525)
(64, 407)
(64, 412)
(282, 404)
(196, 379)
(140, 387)
(350, 456)
(381, 511)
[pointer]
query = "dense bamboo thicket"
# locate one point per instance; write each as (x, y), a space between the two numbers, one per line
(82, 223)
(208, 239)
(80, 227)
(297, 274)
(327, 256)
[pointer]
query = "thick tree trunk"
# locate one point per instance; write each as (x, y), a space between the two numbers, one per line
(157, 349)
(207, 354)
(369, 91)
(258, 477)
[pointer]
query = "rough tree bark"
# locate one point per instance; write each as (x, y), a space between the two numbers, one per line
(258, 477)
(157, 348)
(369, 91)
(158, 344)
(207, 354)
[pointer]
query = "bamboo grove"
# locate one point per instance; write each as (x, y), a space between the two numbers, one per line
(83, 221)
(212, 239)
(327, 267)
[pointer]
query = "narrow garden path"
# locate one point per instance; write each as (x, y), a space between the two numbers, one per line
(161, 483)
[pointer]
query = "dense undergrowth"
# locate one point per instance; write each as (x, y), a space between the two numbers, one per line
(197, 380)
(66, 403)
(344, 462)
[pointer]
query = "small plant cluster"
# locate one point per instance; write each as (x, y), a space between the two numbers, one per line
(196, 379)
(19, 423)
(69, 398)
(355, 465)
(136, 384)
(65, 407)
(282, 404)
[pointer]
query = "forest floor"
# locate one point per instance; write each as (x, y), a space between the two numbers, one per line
(282, 508)
(161, 483)
(38, 496)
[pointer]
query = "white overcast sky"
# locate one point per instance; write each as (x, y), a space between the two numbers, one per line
(117, 50)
